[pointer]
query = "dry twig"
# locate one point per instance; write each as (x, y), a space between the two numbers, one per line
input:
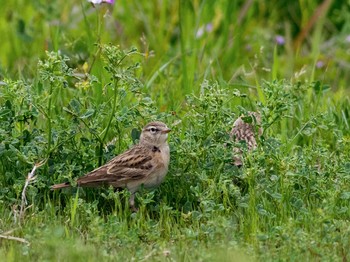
(29, 178)
(19, 239)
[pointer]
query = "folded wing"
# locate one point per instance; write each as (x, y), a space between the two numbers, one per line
(134, 164)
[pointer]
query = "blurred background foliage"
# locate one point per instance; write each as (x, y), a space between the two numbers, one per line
(183, 42)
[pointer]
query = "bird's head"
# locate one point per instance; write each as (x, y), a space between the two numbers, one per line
(154, 133)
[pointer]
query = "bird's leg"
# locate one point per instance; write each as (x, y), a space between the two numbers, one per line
(132, 203)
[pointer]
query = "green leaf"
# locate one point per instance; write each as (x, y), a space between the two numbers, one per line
(135, 135)
(345, 195)
(88, 113)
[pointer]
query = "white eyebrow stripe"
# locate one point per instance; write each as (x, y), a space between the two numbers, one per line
(156, 128)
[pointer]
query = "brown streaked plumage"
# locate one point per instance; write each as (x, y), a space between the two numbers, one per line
(247, 132)
(144, 164)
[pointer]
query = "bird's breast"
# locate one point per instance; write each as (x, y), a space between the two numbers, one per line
(162, 158)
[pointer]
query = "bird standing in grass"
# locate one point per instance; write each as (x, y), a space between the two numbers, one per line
(144, 164)
(245, 131)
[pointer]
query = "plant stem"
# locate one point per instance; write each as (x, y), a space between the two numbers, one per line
(183, 45)
(49, 124)
(109, 121)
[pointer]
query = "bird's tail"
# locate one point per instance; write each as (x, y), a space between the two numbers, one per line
(58, 186)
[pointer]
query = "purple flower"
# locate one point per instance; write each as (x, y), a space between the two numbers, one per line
(279, 40)
(320, 64)
(98, 2)
(209, 27)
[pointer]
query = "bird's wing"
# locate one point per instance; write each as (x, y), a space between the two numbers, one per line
(134, 164)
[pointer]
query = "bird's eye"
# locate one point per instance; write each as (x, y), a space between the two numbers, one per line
(153, 130)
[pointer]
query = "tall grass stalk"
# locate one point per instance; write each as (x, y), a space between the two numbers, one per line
(183, 9)
(73, 210)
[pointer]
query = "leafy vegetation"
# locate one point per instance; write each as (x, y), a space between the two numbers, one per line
(74, 93)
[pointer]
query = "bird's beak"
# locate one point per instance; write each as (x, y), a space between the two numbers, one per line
(165, 131)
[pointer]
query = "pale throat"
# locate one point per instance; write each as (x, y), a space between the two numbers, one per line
(160, 143)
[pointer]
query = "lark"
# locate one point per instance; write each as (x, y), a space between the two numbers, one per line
(246, 132)
(144, 164)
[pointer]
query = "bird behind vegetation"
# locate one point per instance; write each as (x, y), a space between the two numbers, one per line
(144, 164)
(247, 132)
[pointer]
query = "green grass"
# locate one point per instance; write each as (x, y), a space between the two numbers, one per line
(78, 83)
